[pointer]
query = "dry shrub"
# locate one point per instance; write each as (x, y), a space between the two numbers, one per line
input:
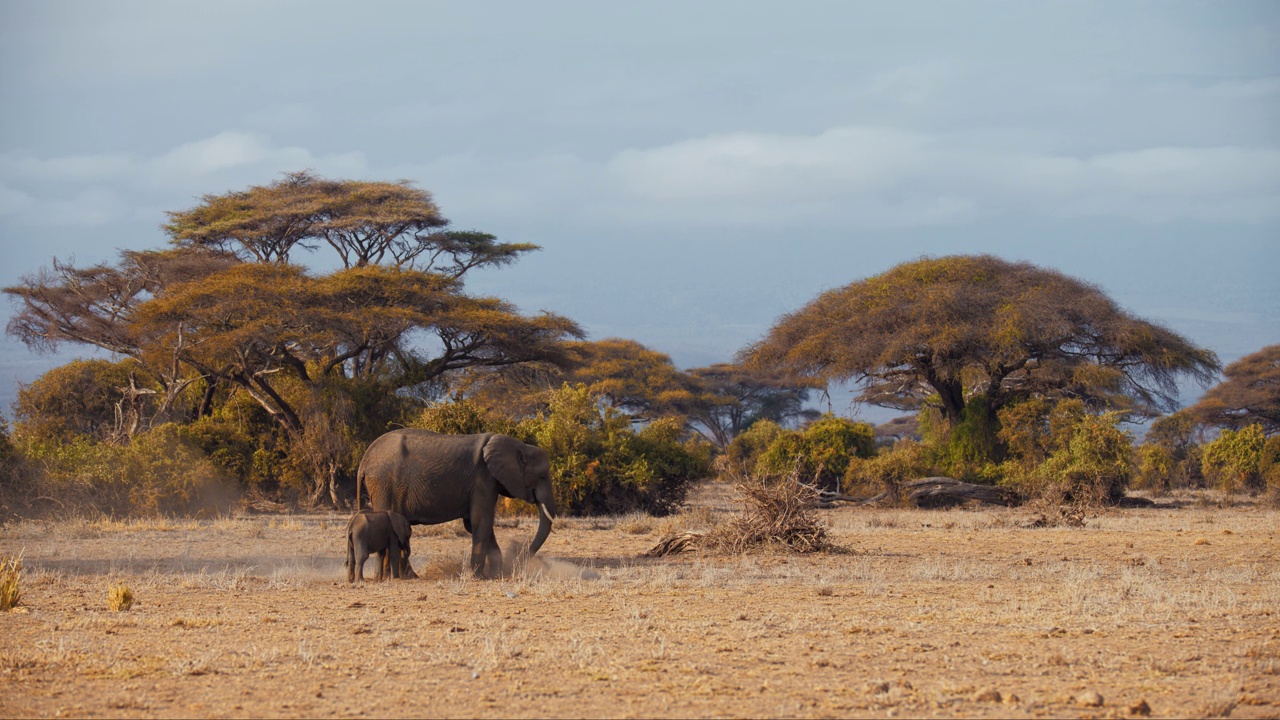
(10, 573)
(119, 597)
(779, 511)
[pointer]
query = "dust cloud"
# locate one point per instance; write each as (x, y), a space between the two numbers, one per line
(516, 563)
(300, 567)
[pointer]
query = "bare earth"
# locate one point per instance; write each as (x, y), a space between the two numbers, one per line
(928, 613)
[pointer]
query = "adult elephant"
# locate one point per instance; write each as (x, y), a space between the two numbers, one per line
(432, 478)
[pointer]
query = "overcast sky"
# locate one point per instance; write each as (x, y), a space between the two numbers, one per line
(692, 170)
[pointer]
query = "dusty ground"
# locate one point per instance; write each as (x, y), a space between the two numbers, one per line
(929, 613)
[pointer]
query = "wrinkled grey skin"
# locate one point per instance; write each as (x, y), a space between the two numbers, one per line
(432, 478)
(385, 533)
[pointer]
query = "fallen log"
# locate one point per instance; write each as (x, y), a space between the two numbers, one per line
(934, 492)
(930, 492)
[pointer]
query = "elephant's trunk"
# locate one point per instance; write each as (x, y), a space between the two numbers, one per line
(546, 511)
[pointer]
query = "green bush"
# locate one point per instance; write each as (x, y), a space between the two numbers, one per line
(227, 447)
(1034, 429)
(13, 472)
(157, 473)
(745, 449)
(1271, 468)
(73, 400)
(1092, 464)
(462, 417)
(821, 452)
(1156, 467)
(1234, 462)
(1171, 456)
(907, 460)
(1024, 430)
(242, 440)
(977, 447)
(974, 441)
(600, 465)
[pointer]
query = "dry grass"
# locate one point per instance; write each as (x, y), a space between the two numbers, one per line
(637, 524)
(10, 576)
(119, 597)
(935, 611)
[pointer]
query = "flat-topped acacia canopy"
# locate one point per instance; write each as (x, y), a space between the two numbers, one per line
(953, 329)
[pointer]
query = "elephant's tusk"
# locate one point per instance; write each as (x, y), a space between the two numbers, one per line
(550, 515)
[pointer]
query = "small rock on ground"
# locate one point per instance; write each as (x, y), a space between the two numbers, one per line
(1090, 699)
(987, 695)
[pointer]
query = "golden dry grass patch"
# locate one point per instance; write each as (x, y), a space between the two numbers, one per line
(119, 597)
(10, 581)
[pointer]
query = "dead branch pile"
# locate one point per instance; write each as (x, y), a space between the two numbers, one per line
(1056, 517)
(263, 505)
(778, 511)
(677, 543)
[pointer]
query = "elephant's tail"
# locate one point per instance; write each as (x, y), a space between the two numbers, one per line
(359, 484)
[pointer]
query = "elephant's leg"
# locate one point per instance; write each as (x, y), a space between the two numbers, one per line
(382, 565)
(493, 557)
(466, 525)
(407, 550)
(408, 572)
(484, 546)
(351, 560)
(361, 555)
(393, 557)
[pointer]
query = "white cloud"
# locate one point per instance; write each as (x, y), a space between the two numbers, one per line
(914, 84)
(73, 189)
(246, 157)
(72, 168)
(847, 176)
(203, 157)
(871, 176)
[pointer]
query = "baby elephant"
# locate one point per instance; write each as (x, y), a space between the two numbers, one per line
(384, 533)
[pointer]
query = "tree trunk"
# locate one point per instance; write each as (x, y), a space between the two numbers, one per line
(333, 484)
(206, 399)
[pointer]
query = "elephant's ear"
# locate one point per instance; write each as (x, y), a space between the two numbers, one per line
(504, 456)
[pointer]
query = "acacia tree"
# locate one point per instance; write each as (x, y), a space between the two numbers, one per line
(635, 379)
(734, 396)
(978, 333)
(366, 223)
(630, 377)
(717, 402)
(226, 305)
(1250, 394)
(97, 306)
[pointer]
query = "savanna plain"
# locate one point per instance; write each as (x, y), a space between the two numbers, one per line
(1167, 611)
